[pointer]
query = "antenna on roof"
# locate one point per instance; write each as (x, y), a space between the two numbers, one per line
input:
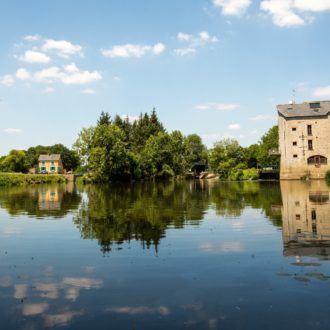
(293, 96)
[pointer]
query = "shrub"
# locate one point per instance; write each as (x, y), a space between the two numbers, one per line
(327, 176)
(16, 179)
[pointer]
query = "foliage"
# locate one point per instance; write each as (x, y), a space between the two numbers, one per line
(13, 162)
(16, 179)
(327, 176)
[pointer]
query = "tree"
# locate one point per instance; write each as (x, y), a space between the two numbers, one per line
(14, 162)
(104, 119)
(195, 150)
(84, 144)
(268, 141)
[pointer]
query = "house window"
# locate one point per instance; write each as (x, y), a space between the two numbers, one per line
(53, 163)
(43, 162)
(294, 128)
(298, 231)
(315, 105)
(52, 168)
(294, 143)
(313, 214)
(317, 160)
(295, 156)
(309, 129)
(297, 203)
(310, 145)
(297, 216)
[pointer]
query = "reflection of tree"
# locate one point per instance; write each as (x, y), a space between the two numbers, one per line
(40, 201)
(143, 211)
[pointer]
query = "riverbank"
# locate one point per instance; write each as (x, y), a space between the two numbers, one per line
(17, 179)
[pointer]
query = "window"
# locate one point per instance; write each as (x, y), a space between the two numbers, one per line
(295, 156)
(297, 203)
(52, 168)
(310, 145)
(315, 105)
(317, 160)
(297, 216)
(309, 129)
(313, 214)
(314, 228)
(294, 143)
(53, 163)
(294, 128)
(43, 162)
(298, 231)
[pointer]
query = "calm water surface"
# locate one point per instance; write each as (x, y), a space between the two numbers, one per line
(185, 255)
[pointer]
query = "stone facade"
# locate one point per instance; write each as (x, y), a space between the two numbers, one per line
(304, 139)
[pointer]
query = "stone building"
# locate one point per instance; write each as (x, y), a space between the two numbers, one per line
(304, 139)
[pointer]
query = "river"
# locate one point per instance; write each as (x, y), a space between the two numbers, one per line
(168, 255)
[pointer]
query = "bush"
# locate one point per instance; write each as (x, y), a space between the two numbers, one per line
(16, 179)
(327, 176)
(251, 174)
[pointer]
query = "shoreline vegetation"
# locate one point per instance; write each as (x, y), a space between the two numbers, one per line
(18, 179)
(120, 149)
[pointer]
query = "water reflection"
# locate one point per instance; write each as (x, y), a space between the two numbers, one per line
(306, 221)
(143, 211)
(40, 201)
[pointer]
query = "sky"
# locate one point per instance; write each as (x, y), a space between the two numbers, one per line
(217, 68)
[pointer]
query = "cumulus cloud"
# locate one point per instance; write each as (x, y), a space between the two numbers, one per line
(7, 80)
(69, 75)
(23, 74)
(217, 106)
(193, 42)
(287, 13)
(322, 91)
(31, 38)
(133, 50)
(232, 7)
(31, 56)
(234, 126)
(282, 12)
(62, 48)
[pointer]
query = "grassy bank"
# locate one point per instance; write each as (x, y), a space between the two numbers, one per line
(16, 179)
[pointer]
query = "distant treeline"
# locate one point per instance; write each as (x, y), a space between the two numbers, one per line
(117, 149)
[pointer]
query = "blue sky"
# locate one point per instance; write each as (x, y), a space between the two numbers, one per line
(213, 67)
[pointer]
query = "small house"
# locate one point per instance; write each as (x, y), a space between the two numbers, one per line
(50, 164)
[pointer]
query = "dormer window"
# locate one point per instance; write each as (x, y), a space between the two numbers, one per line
(314, 105)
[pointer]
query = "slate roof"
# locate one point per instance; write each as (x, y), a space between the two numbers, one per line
(52, 157)
(306, 109)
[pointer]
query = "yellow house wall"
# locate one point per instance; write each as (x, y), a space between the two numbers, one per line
(48, 165)
(295, 168)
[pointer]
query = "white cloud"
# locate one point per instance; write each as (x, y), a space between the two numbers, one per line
(116, 78)
(75, 76)
(31, 56)
(12, 130)
(34, 309)
(234, 126)
(201, 39)
(7, 80)
(232, 7)
(312, 5)
(322, 91)
(88, 91)
(184, 36)
(48, 74)
(23, 74)
(131, 119)
(62, 48)
(217, 106)
(133, 50)
(31, 38)
(185, 51)
(136, 310)
(282, 12)
(261, 117)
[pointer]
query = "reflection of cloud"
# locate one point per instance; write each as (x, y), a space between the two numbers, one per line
(60, 319)
(223, 247)
(162, 310)
(82, 282)
(212, 323)
(34, 309)
(72, 294)
(6, 282)
(48, 290)
(20, 291)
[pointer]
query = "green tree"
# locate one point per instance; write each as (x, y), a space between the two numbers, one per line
(268, 141)
(104, 119)
(195, 150)
(15, 161)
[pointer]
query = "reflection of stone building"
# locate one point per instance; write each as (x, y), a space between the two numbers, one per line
(304, 135)
(306, 220)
